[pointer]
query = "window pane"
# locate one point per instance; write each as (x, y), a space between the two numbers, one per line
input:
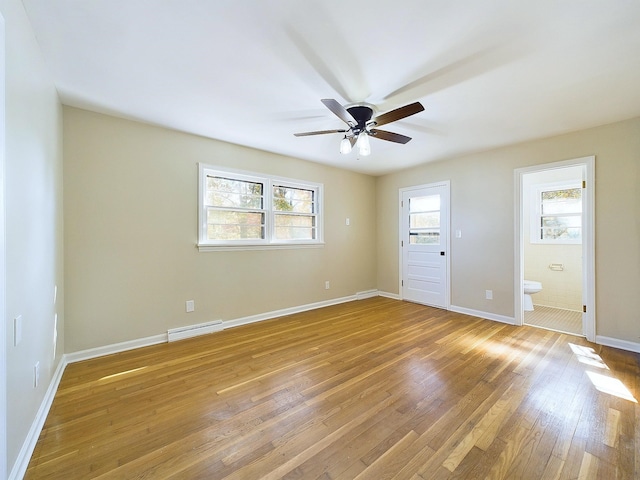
(287, 199)
(428, 203)
(232, 225)
(294, 221)
(567, 233)
(555, 227)
(424, 220)
(562, 201)
(426, 237)
(235, 232)
(224, 192)
(295, 233)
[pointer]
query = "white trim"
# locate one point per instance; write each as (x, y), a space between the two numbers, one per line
(617, 343)
(588, 239)
(486, 315)
(393, 296)
(270, 246)
(180, 333)
(286, 311)
(24, 456)
(115, 348)
(367, 294)
(3, 324)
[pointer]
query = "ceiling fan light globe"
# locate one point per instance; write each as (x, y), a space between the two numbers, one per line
(345, 146)
(364, 148)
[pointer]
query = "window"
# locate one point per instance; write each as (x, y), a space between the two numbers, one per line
(424, 220)
(242, 209)
(558, 214)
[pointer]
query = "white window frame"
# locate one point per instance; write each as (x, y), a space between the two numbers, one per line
(536, 213)
(269, 242)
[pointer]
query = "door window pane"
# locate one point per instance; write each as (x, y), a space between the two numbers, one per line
(424, 220)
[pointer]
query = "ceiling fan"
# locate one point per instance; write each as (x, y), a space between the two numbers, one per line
(361, 126)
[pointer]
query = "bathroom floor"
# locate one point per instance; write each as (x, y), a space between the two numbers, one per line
(566, 321)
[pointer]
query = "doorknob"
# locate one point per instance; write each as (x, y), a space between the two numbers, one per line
(442, 253)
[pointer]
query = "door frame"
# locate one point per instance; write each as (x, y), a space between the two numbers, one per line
(588, 241)
(3, 327)
(447, 246)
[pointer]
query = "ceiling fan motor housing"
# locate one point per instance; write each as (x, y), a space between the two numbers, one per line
(362, 115)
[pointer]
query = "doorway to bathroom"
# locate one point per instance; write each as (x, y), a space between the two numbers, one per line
(555, 274)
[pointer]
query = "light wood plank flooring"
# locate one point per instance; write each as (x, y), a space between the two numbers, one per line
(371, 389)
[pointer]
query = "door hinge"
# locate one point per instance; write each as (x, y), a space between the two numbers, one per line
(402, 243)
(403, 283)
(584, 184)
(584, 309)
(402, 203)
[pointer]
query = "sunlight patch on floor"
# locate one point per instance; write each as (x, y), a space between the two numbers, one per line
(603, 383)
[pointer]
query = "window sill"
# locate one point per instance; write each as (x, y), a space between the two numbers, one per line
(266, 246)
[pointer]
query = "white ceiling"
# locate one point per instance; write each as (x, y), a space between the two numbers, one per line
(252, 72)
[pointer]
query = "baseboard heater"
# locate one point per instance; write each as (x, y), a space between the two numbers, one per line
(181, 333)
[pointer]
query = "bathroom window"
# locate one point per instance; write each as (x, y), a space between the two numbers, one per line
(245, 210)
(558, 214)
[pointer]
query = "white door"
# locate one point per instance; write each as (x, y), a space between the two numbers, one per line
(424, 244)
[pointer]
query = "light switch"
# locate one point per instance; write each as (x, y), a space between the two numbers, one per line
(458, 233)
(347, 222)
(17, 330)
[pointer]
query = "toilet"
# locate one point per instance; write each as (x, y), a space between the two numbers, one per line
(530, 287)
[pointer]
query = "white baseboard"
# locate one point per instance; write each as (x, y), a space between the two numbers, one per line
(22, 462)
(115, 348)
(286, 311)
(617, 343)
(367, 294)
(393, 296)
(486, 315)
(163, 338)
(189, 331)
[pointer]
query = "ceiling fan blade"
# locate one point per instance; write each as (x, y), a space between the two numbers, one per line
(398, 113)
(339, 111)
(389, 136)
(318, 132)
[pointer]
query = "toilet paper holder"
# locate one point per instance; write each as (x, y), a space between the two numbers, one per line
(556, 267)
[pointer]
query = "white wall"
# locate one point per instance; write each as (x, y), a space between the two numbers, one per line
(482, 206)
(33, 200)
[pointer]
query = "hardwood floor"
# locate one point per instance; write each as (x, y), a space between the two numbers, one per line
(371, 389)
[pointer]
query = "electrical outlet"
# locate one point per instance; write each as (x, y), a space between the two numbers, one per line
(190, 306)
(327, 285)
(488, 294)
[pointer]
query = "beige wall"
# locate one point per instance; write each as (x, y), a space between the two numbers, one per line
(33, 200)
(482, 206)
(131, 229)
